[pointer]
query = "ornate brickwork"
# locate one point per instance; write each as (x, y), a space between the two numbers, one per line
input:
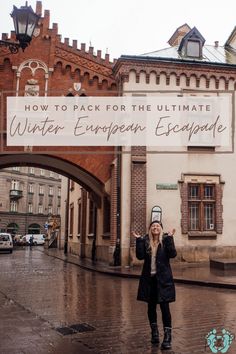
(177, 71)
(83, 62)
(50, 50)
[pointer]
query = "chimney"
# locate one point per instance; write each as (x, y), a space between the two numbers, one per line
(39, 8)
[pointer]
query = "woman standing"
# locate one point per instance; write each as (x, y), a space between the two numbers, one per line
(156, 285)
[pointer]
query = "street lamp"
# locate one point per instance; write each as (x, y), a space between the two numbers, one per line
(25, 20)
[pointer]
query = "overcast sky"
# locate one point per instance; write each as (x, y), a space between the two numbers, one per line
(131, 26)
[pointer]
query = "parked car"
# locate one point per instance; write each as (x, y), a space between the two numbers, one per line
(38, 239)
(6, 243)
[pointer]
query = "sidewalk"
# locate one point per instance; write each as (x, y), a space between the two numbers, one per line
(186, 273)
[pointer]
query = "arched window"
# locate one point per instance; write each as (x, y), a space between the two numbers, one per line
(34, 229)
(12, 228)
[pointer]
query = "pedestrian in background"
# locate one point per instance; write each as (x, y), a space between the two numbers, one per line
(156, 285)
(31, 241)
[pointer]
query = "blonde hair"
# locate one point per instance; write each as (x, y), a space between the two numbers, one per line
(153, 247)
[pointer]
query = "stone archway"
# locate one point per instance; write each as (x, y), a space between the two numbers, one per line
(64, 167)
(93, 189)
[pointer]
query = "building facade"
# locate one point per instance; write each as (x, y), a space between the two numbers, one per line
(29, 196)
(117, 188)
(85, 228)
(193, 185)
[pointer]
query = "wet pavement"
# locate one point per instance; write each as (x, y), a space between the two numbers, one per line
(40, 293)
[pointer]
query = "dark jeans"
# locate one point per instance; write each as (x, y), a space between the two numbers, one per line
(152, 304)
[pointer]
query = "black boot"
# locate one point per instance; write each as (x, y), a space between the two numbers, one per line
(155, 334)
(166, 344)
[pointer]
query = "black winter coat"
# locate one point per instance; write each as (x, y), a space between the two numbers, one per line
(165, 282)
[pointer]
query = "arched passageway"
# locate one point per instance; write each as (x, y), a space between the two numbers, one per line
(68, 169)
(86, 228)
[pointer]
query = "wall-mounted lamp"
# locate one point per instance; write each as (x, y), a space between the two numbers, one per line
(156, 214)
(25, 20)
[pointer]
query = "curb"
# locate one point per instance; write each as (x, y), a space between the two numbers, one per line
(136, 276)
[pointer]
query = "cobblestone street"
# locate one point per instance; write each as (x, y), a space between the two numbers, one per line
(39, 293)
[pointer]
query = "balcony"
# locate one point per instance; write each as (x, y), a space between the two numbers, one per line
(16, 194)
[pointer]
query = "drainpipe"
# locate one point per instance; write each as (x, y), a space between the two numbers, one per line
(117, 251)
(67, 218)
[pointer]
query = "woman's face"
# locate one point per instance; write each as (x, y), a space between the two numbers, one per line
(155, 229)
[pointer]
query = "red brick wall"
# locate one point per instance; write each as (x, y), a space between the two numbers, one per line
(67, 64)
(138, 191)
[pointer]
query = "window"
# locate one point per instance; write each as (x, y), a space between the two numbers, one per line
(31, 188)
(34, 229)
(106, 215)
(191, 44)
(79, 216)
(13, 206)
(16, 168)
(30, 208)
(50, 210)
(50, 190)
(71, 219)
(193, 49)
(40, 209)
(91, 217)
(31, 170)
(201, 207)
(59, 192)
(13, 228)
(15, 185)
(58, 210)
(51, 174)
(72, 185)
(41, 189)
(42, 172)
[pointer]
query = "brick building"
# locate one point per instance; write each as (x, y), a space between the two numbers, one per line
(51, 66)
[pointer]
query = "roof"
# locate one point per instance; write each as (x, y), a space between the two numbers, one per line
(231, 41)
(211, 54)
(179, 32)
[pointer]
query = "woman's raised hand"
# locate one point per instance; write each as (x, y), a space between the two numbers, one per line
(133, 233)
(171, 233)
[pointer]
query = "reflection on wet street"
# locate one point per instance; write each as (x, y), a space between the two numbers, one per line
(63, 295)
